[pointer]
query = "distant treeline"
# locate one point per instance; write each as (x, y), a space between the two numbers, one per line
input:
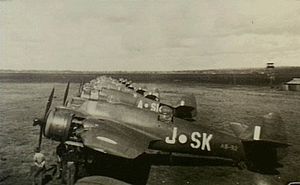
(242, 77)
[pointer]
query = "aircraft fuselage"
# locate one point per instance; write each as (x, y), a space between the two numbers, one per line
(175, 135)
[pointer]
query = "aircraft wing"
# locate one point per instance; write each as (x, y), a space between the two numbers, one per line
(114, 138)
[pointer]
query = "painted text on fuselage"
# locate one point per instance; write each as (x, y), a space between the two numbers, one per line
(197, 139)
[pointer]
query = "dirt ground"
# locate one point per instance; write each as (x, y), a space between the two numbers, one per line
(217, 106)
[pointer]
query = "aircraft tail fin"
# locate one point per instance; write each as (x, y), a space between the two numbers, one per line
(272, 128)
(264, 143)
(186, 107)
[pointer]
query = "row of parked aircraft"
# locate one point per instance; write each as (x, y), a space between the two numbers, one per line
(116, 118)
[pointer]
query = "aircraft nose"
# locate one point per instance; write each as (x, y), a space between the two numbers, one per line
(58, 125)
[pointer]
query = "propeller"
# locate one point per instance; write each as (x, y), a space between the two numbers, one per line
(42, 121)
(66, 94)
(80, 88)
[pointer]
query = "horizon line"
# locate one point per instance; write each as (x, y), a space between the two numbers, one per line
(141, 71)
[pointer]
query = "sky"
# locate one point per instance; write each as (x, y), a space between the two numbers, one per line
(133, 35)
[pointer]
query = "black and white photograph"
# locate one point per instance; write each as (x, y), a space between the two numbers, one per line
(149, 92)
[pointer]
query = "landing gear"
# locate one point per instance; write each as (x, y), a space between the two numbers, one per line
(68, 173)
(71, 163)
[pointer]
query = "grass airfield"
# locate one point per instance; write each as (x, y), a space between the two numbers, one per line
(217, 106)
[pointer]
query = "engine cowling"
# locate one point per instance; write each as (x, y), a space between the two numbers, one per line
(61, 125)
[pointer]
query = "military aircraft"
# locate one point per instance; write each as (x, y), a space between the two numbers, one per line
(122, 85)
(185, 108)
(128, 132)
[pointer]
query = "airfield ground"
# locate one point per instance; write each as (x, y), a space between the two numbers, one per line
(217, 106)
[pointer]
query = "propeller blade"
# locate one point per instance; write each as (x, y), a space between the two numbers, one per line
(42, 122)
(80, 87)
(50, 99)
(40, 136)
(66, 94)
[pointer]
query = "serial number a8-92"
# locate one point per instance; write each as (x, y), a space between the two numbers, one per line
(229, 146)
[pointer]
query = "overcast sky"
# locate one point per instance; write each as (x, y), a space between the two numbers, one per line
(148, 35)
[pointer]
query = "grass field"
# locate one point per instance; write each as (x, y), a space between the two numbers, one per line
(217, 106)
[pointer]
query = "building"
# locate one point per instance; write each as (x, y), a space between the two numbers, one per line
(293, 85)
(270, 71)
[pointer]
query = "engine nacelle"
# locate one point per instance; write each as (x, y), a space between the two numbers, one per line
(58, 125)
